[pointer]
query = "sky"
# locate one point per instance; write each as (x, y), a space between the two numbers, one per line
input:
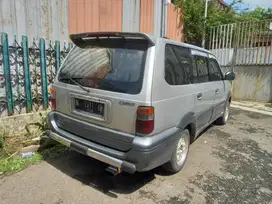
(252, 4)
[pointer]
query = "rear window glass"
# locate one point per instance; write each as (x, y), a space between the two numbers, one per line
(178, 65)
(116, 67)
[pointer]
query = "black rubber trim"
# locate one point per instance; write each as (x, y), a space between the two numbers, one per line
(189, 118)
(128, 167)
(79, 148)
(228, 96)
(78, 38)
(149, 144)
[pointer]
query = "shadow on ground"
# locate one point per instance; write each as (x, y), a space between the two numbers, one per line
(92, 173)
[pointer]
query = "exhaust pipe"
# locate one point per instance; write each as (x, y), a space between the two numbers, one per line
(112, 170)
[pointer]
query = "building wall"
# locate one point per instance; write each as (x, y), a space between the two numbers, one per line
(147, 16)
(174, 25)
(131, 13)
(122, 15)
(56, 19)
(47, 19)
(95, 15)
(252, 83)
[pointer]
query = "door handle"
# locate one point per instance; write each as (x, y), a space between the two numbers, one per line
(199, 96)
(216, 91)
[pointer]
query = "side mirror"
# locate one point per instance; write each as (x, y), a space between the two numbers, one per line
(229, 76)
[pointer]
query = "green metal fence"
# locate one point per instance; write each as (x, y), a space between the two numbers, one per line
(27, 70)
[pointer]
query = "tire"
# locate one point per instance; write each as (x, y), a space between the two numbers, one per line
(179, 155)
(223, 119)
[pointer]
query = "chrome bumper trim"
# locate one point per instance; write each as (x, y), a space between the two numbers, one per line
(90, 152)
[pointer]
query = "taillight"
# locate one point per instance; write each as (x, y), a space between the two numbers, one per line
(145, 120)
(53, 98)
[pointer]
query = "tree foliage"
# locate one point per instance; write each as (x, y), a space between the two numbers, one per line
(257, 14)
(192, 14)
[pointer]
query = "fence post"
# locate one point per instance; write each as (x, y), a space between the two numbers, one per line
(43, 73)
(6, 63)
(57, 49)
(27, 74)
(70, 45)
(235, 45)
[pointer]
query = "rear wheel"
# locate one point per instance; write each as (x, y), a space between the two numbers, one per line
(180, 154)
(223, 119)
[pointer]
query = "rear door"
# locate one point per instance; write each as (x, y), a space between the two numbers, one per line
(102, 82)
(216, 77)
(204, 90)
(173, 96)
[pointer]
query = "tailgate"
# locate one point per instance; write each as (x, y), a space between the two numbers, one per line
(101, 83)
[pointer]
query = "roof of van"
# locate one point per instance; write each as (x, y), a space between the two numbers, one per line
(186, 45)
(152, 39)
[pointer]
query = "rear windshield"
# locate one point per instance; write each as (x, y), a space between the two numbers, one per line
(113, 66)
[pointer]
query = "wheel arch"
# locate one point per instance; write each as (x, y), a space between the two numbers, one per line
(188, 121)
(229, 97)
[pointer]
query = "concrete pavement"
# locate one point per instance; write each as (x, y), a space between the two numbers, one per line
(226, 164)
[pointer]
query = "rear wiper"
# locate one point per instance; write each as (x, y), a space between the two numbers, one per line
(75, 82)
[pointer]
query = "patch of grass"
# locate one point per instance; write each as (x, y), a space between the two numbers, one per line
(54, 151)
(11, 142)
(12, 139)
(2, 140)
(3, 137)
(17, 163)
(3, 151)
(40, 126)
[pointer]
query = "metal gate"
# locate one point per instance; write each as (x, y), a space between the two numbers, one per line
(244, 43)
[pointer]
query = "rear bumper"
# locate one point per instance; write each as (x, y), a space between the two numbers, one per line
(146, 152)
(119, 164)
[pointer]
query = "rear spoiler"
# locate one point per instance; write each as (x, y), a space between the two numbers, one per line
(80, 38)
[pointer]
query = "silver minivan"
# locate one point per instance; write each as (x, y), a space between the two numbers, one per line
(136, 102)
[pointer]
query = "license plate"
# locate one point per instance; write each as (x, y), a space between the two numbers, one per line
(89, 106)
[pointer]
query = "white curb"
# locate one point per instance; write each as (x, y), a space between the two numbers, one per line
(252, 109)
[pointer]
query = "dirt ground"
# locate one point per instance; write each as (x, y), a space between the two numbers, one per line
(226, 164)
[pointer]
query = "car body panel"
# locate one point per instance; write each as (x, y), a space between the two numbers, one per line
(114, 135)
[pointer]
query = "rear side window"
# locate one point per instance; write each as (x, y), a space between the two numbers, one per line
(215, 73)
(178, 65)
(202, 68)
(113, 66)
